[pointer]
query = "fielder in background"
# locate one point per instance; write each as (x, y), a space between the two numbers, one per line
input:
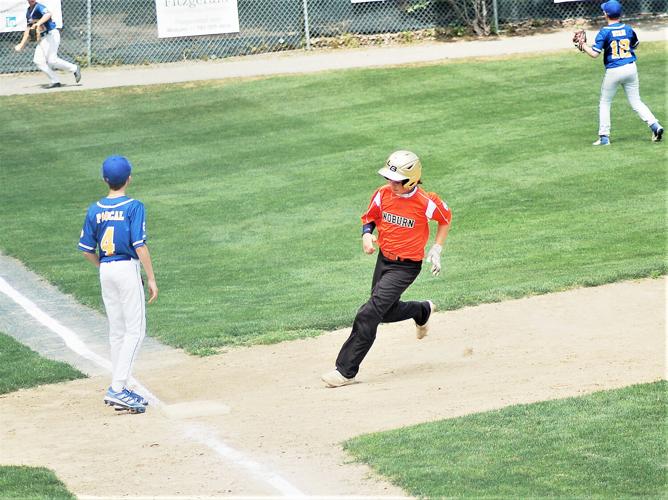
(117, 226)
(617, 42)
(42, 29)
(400, 211)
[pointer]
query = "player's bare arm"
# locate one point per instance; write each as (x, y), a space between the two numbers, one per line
(26, 35)
(38, 25)
(46, 17)
(441, 234)
(92, 258)
(589, 51)
(145, 259)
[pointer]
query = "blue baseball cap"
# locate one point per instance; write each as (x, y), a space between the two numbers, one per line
(612, 8)
(116, 169)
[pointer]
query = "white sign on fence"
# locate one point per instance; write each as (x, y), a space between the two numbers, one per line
(196, 17)
(13, 14)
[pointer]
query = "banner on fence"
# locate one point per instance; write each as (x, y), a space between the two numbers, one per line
(196, 17)
(13, 14)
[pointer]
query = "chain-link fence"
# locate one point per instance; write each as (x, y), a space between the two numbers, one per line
(106, 32)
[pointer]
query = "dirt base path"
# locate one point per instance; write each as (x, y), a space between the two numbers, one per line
(268, 401)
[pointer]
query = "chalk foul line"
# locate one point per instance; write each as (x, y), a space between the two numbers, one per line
(198, 433)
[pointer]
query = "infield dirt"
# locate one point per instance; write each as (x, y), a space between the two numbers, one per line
(268, 401)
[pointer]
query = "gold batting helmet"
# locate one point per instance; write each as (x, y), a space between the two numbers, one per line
(402, 166)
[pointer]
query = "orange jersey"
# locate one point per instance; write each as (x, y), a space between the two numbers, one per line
(403, 221)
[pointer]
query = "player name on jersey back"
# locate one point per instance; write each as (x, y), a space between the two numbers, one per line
(108, 215)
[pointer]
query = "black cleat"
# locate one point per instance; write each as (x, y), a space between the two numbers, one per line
(53, 85)
(658, 135)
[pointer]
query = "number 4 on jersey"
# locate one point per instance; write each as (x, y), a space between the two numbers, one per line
(107, 243)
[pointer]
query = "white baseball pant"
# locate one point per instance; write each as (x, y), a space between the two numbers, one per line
(123, 296)
(46, 56)
(627, 77)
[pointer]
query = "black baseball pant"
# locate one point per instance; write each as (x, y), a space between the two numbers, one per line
(390, 280)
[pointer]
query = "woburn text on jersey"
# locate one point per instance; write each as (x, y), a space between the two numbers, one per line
(398, 220)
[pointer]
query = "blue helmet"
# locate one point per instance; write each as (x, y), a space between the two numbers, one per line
(116, 169)
(612, 8)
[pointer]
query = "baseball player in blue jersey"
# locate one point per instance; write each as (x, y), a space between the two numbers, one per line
(47, 35)
(116, 225)
(617, 42)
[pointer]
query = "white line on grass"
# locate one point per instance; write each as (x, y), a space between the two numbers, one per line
(200, 434)
(70, 338)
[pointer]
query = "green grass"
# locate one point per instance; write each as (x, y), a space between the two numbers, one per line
(21, 368)
(254, 188)
(28, 483)
(605, 445)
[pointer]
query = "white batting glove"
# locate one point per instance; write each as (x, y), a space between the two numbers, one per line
(434, 256)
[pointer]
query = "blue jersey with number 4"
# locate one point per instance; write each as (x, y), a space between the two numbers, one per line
(617, 42)
(117, 226)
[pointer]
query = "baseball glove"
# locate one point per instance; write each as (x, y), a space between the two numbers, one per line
(35, 33)
(579, 39)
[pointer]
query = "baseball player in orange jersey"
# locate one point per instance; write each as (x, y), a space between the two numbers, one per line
(400, 211)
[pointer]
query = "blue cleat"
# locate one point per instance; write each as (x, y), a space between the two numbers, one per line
(603, 140)
(138, 397)
(657, 132)
(123, 400)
